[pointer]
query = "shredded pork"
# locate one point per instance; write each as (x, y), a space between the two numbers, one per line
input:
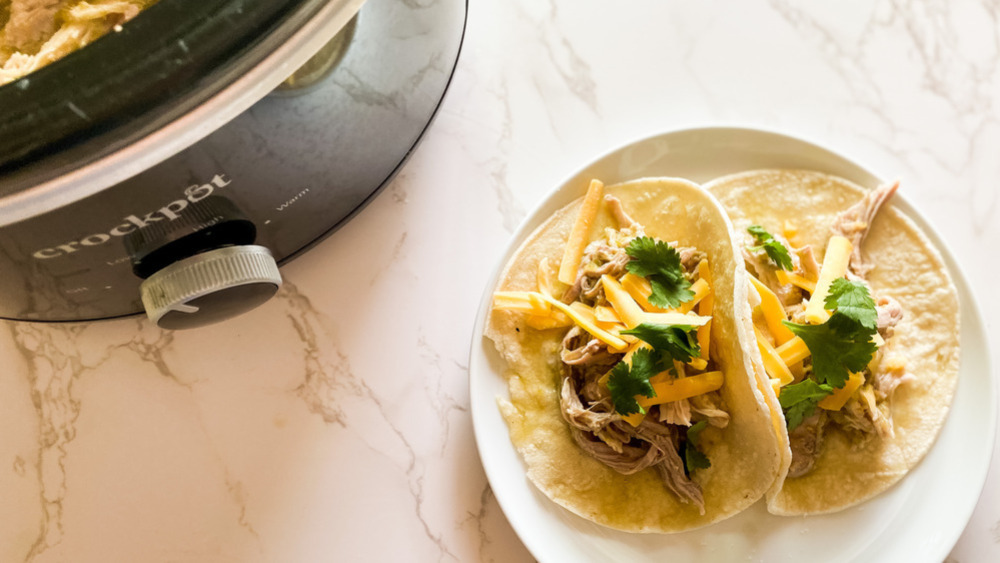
(30, 23)
(676, 412)
(586, 404)
(889, 312)
(709, 407)
(599, 258)
(890, 375)
(764, 269)
(39, 32)
(625, 221)
(805, 441)
(579, 348)
(855, 222)
(807, 265)
(867, 414)
(690, 257)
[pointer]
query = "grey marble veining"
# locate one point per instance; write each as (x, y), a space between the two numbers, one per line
(333, 423)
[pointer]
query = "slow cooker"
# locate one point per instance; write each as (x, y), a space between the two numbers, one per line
(172, 166)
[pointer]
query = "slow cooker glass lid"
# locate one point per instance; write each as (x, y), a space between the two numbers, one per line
(169, 59)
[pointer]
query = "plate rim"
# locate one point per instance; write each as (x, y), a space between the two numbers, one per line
(550, 198)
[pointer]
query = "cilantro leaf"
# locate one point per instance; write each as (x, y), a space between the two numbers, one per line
(799, 400)
(660, 263)
(842, 344)
(650, 256)
(625, 382)
(838, 347)
(679, 342)
(693, 456)
(852, 300)
(774, 249)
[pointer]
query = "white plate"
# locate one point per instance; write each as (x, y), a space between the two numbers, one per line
(919, 519)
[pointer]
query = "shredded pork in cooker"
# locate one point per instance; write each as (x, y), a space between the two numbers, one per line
(867, 414)
(586, 404)
(34, 33)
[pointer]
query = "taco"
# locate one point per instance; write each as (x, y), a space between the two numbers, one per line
(624, 323)
(857, 324)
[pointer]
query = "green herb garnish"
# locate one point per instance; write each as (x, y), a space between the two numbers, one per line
(693, 457)
(841, 345)
(844, 342)
(660, 263)
(677, 342)
(835, 351)
(799, 400)
(774, 249)
(852, 300)
(625, 382)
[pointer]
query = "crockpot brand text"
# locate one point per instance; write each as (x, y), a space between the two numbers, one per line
(169, 212)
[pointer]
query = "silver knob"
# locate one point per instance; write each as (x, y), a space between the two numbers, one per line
(211, 286)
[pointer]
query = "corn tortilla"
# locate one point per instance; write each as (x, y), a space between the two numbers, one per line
(747, 456)
(907, 268)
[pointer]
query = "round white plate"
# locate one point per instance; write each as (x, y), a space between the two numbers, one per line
(919, 519)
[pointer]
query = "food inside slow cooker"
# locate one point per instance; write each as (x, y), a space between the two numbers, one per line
(34, 33)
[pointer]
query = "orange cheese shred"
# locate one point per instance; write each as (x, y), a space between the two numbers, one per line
(580, 234)
(838, 399)
(677, 388)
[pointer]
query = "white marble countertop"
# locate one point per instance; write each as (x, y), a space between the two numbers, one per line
(332, 424)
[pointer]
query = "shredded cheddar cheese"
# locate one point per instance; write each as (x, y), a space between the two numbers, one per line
(584, 318)
(838, 254)
(701, 290)
(793, 351)
(673, 319)
(773, 312)
(628, 310)
(640, 290)
(796, 280)
(580, 234)
(839, 397)
(773, 364)
(669, 388)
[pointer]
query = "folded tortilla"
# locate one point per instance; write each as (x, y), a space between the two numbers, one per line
(907, 268)
(746, 457)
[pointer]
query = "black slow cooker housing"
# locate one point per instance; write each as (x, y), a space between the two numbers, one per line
(172, 57)
(282, 174)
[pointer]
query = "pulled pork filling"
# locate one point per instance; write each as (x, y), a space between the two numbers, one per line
(638, 387)
(34, 33)
(585, 401)
(867, 414)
